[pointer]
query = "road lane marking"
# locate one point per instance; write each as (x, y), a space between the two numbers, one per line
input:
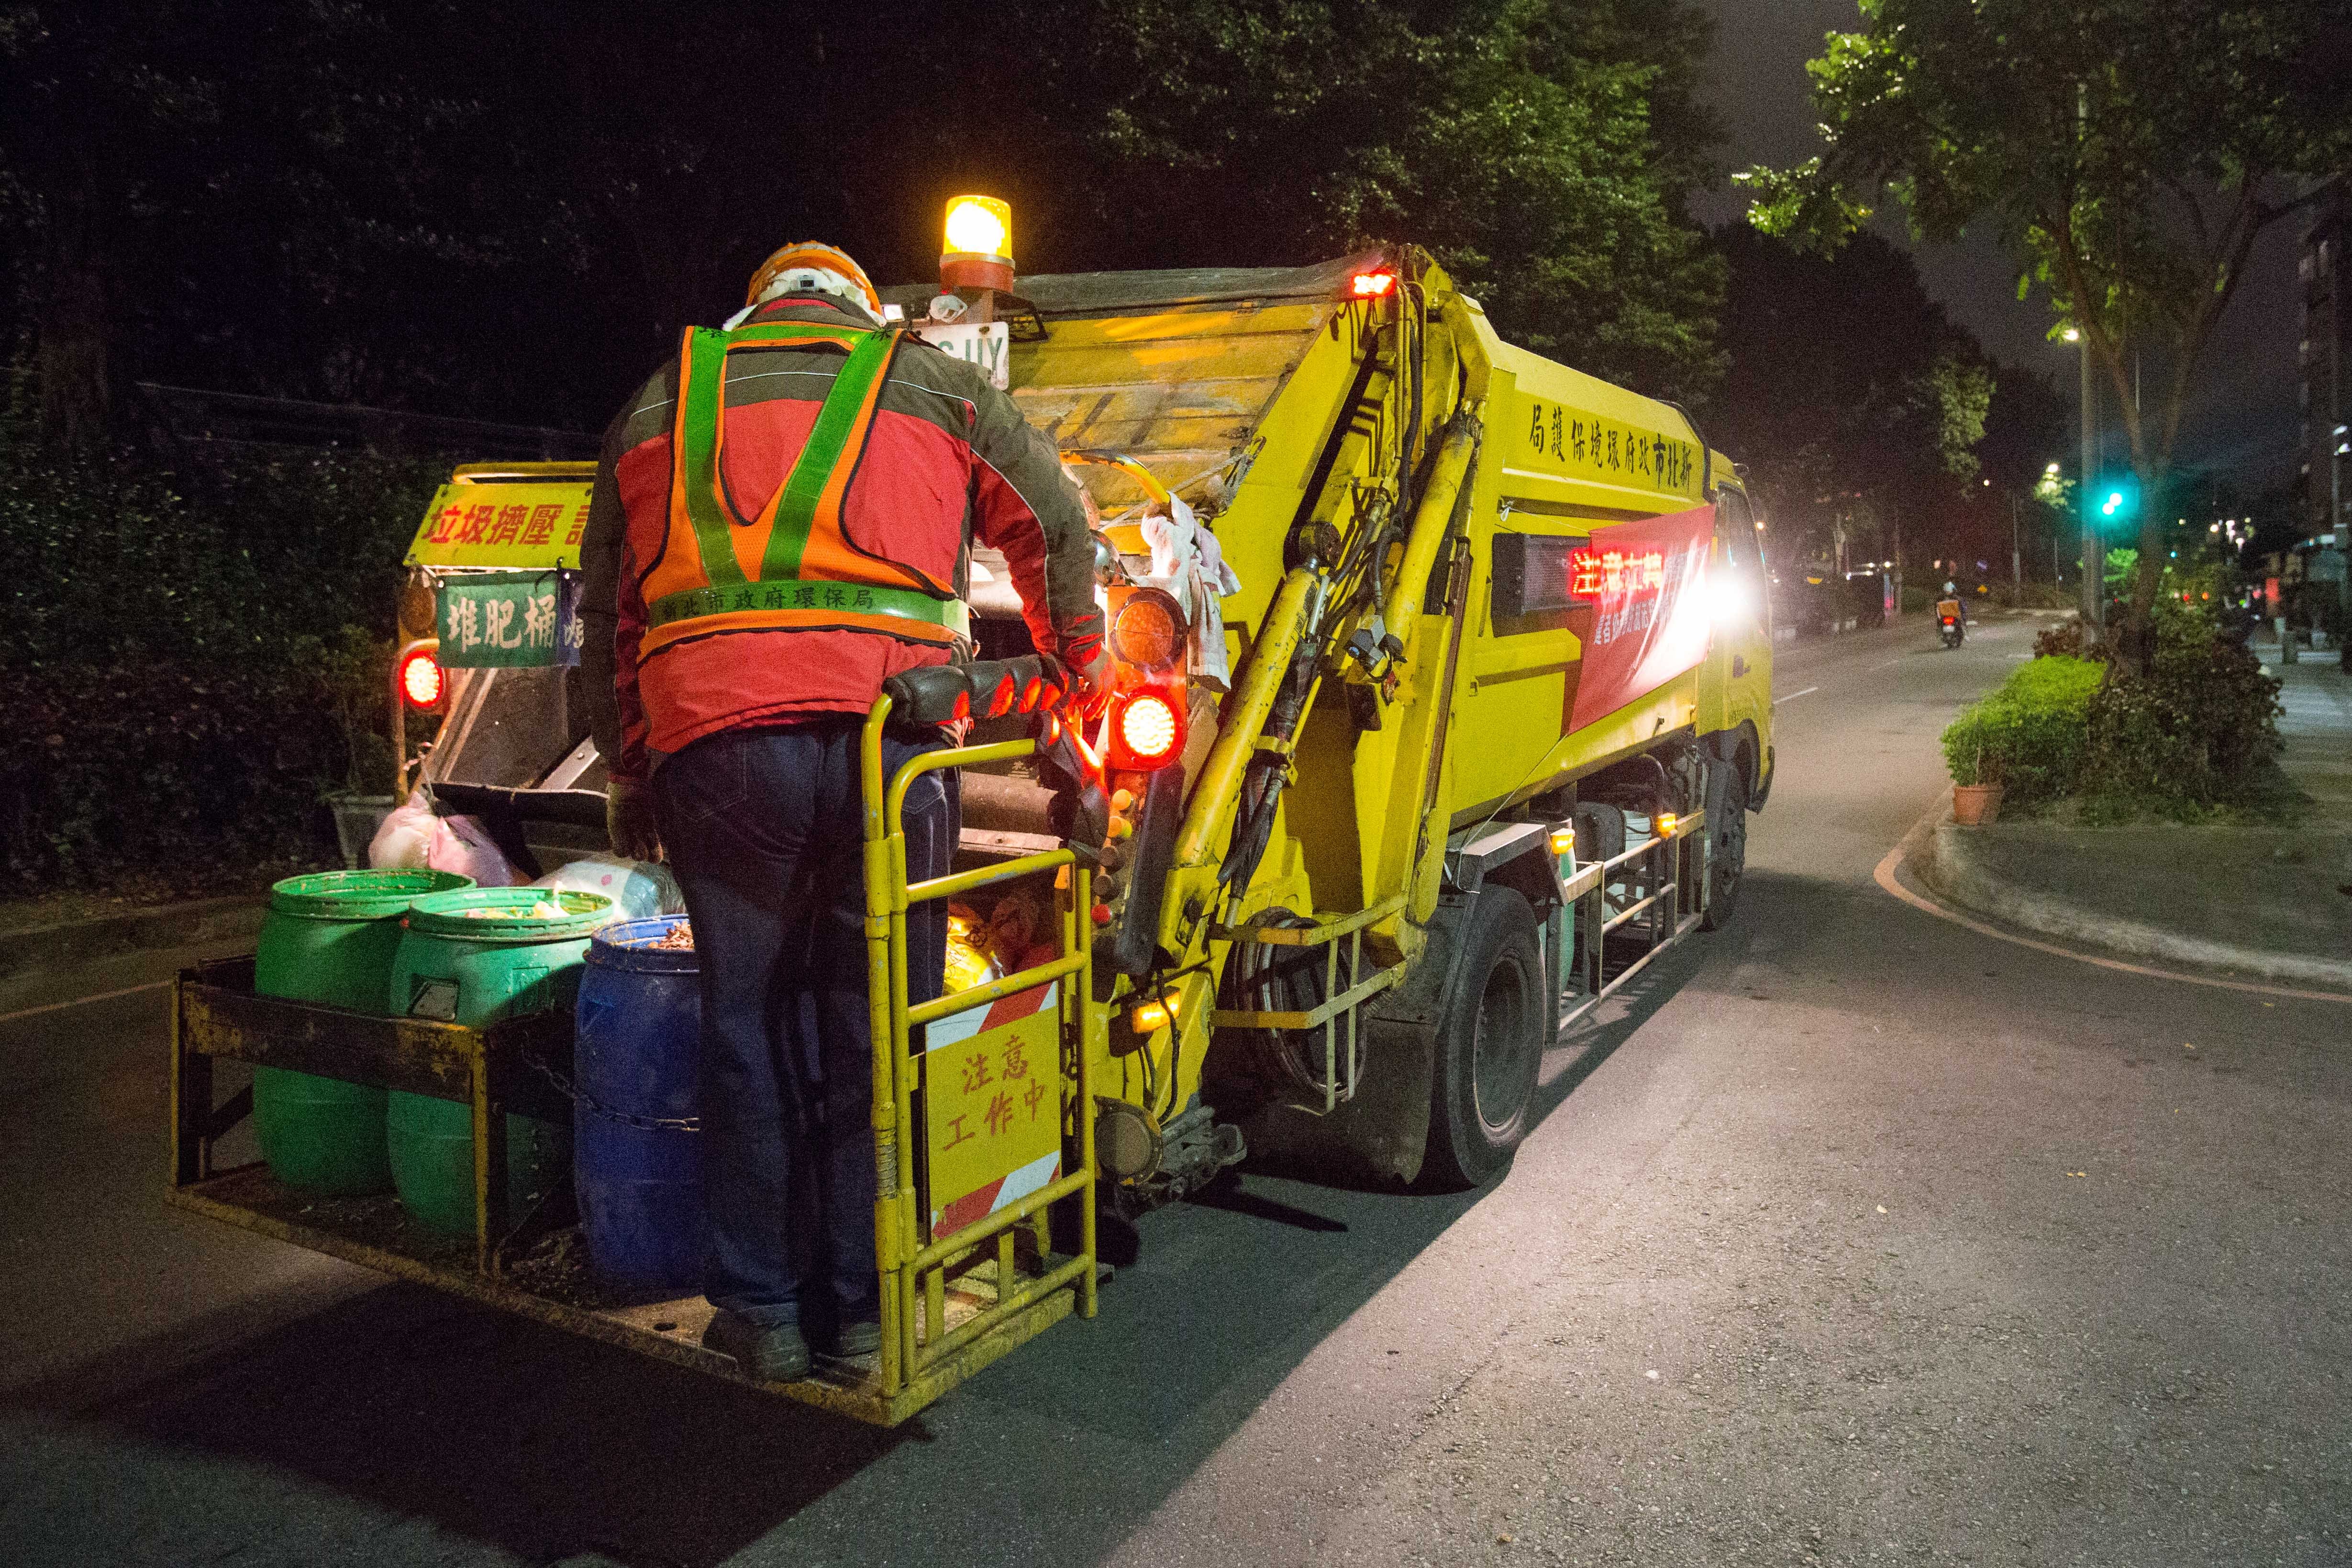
(81, 1001)
(1794, 695)
(1883, 875)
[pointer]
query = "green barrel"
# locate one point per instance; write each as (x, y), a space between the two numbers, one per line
(476, 957)
(329, 939)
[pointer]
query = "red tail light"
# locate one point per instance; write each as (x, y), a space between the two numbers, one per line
(1146, 731)
(1371, 285)
(421, 684)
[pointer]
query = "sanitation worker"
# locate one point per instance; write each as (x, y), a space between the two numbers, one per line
(782, 521)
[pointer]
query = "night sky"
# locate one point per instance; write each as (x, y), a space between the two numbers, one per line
(2242, 422)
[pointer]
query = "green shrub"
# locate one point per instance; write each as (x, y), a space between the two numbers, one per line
(2061, 641)
(2030, 733)
(191, 656)
(2196, 729)
(2191, 734)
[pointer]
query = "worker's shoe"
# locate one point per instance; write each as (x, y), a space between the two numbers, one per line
(853, 1340)
(777, 1355)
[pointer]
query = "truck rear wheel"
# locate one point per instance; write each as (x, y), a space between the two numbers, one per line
(1490, 1043)
(1727, 836)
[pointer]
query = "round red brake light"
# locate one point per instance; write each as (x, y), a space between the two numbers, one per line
(421, 680)
(1147, 727)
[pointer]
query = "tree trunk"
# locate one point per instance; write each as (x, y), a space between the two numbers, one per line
(2136, 647)
(70, 350)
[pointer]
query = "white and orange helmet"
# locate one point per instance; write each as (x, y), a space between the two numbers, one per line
(805, 267)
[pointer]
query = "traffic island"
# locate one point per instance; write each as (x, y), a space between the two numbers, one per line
(2266, 902)
(2269, 898)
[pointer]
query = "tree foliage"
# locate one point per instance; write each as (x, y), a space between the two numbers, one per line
(2129, 152)
(189, 660)
(505, 208)
(1543, 149)
(1851, 397)
(301, 197)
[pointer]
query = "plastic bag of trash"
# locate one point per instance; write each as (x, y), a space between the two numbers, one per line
(639, 889)
(463, 845)
(403, 838)
(412, 836)
(968, 963)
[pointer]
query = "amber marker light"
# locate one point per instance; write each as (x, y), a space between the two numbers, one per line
(1145, 631)
(1666, 824)
(976, 244)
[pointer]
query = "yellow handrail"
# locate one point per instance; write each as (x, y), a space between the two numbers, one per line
(898, 1227)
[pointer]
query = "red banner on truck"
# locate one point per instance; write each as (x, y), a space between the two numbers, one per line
(1646, 583)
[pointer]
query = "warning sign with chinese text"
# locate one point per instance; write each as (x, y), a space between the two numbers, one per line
(537, 525)
(992, 1107)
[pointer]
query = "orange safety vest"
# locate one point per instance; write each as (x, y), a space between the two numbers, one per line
(792, 567)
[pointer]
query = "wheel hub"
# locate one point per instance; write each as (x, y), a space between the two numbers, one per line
(1501, 1047)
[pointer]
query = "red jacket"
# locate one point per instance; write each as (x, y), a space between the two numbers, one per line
(949, 459)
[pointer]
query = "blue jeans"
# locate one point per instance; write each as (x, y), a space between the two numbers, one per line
(764, 829)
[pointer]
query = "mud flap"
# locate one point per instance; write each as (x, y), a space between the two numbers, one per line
(1382, 1134)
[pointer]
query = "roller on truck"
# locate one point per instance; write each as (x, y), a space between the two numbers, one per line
(1473, 738)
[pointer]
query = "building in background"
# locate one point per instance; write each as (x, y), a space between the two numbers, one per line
(2327, 394)
(2325, 599)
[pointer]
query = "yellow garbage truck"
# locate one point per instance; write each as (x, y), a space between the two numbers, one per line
(1443, 696)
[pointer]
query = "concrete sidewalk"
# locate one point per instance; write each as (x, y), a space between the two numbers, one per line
(2269, 902)
(63, 931)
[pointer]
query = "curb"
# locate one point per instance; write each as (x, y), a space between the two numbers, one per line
(1947, 863)
(168, 925)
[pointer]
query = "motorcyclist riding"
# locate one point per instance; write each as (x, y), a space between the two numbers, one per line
(1951, 615)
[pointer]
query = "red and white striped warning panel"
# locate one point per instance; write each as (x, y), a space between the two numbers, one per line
(991, 1106)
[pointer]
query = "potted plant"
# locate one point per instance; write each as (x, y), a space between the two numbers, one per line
(1975, 799)
(357, 669)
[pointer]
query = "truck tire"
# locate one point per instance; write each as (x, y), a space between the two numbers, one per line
(1489, 1043)
(1727, 833)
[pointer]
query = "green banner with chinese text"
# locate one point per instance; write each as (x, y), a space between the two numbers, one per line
(507, 620)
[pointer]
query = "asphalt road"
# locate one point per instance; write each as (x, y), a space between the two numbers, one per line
(1852, 1235)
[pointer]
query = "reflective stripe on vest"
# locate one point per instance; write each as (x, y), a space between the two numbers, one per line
(791, 566)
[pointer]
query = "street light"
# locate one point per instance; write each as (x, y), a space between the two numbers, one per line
(2094, 559)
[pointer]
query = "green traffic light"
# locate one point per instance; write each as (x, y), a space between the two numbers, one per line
(2115, 499)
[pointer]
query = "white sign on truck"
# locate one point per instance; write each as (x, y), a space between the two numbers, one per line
(985, 343)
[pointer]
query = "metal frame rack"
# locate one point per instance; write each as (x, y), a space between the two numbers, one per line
(931, 1342)
(1657, 889)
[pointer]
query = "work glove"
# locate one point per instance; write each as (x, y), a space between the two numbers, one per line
(629, 825)
(1082, 687)
(1094, 679)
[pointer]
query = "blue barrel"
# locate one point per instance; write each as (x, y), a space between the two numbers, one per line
(634, 1060)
